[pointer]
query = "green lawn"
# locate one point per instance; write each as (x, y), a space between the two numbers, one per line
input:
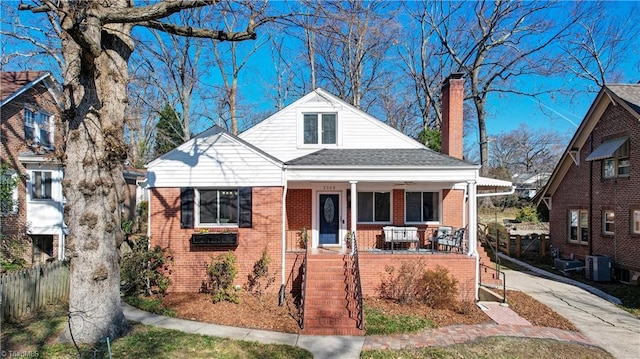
(379, 323)
(496, 348)
(37, 337)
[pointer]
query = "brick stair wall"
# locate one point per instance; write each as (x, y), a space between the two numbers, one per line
(326, 310)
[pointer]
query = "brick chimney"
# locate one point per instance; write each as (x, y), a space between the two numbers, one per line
(452, 100)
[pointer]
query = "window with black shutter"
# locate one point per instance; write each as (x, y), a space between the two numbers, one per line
(186, 207)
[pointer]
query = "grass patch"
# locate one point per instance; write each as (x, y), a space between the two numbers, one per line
(379, 323)
(38, 337)
(150, 304)
(498, 348)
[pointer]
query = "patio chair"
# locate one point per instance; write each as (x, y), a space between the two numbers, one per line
(458, 239)
(442, 237)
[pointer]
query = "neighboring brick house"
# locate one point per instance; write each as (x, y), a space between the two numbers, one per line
(593, 195)
(29, 134)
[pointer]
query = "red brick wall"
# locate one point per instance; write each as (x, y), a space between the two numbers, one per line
(620, 194)
(452, 116)
(299, 209)
(452, 207)
(190, 263)
(12, 143)
(372, 270)
(188, 270)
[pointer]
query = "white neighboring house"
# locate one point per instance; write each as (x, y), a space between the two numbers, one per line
(30, 108)
(528, 184)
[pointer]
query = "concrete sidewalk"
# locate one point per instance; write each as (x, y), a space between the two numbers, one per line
(322, 347)
(606, 325)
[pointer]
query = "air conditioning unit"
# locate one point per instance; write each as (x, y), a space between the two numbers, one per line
(598, 268)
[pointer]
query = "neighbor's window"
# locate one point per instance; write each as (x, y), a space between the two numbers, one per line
(374, 207)
(608, 222)
(217, 206)
(41, 185)
(618, 165)
(422, 206)
(635, 221)
(320, 128)
(37, 127)
(579, 226)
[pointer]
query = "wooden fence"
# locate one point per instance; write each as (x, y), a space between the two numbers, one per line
(516, 245)
(24, 291)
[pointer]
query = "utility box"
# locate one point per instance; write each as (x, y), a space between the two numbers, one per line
(567, 264)
(598, 268)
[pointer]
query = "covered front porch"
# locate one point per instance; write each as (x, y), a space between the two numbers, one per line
(385, 217)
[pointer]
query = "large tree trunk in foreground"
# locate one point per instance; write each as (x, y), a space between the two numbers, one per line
(94, 182)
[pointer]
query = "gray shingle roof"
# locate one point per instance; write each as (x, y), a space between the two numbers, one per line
(628, 92)
(419, 157)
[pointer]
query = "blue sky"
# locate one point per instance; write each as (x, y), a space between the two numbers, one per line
(505, 112)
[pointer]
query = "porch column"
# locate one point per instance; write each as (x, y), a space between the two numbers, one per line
(473, 217)
(354, 206)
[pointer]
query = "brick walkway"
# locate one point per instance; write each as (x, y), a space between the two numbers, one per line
(507, 323)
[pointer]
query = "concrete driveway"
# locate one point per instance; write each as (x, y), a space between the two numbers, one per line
(606, 325)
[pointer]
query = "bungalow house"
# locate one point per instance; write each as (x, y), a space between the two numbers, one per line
(592, 195)
(29, 132)
(321, 186)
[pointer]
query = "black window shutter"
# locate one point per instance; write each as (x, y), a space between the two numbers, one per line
(186, 207)
(244, 200)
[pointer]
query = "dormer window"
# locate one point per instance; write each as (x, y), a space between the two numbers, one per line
(320, 128)
(37, 128)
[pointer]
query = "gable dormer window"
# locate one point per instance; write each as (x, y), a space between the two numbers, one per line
(37, 128)
(320, 128)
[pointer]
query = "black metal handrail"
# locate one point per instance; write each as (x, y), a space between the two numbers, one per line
(356, 274)
(303, 289)
(502, 275)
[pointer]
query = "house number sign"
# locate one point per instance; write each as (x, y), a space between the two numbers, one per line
(329, 188)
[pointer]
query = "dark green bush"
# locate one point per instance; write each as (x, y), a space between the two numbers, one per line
(220, 275)
(144, 271)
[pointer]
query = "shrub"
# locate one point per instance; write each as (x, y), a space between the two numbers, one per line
(528, 214)
(402, 285)
(412, 283)
(259, 279)
(437, 288)
(144, 271)
(220, 275)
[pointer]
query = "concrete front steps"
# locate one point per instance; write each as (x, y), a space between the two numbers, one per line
(329, 308)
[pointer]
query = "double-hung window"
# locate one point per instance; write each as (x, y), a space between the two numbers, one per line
(320, 128)
(608, 222)
(374, 207)
(422, 207)
(37, 128)
(579, 226)
(618, 165)
(41, 185)
(217, 207)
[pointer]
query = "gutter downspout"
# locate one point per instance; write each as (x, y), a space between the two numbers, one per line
(284, 235)
(473, 232)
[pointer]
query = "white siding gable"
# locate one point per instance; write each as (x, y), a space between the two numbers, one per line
(214, 158)
(281, 134)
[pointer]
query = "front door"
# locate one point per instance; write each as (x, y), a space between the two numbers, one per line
(329, 212)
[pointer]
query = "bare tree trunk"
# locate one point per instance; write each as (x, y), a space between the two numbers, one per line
(97, 90)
